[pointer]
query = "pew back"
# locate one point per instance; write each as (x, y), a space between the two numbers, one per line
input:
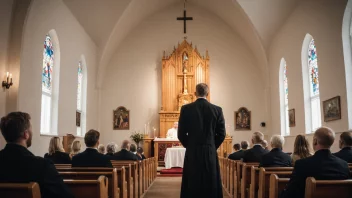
(23, 190)
(328, 188)
(89, 188)
(264, 179)
(277, 185)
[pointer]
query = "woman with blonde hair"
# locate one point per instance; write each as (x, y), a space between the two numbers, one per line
(301, 149)
(75, 148)
(56, 152)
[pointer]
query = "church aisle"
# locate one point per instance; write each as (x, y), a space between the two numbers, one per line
(169, 187)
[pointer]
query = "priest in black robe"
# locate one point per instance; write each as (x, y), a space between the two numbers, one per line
(201, 131)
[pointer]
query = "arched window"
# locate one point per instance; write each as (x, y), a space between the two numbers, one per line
(50, 84)
(81, 97)
(283, 82)
(347, 50)
(310, 73)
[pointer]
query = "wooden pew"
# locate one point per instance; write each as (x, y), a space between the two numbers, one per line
(121, 176)
(246, 178)
(254, 188)
(63, 165)
(239, 171)
(135, 174)
(328, 188)
(89, 188)
(264, 179)
(277, 185)
(113, 190)
(129, 178)
(23, 190)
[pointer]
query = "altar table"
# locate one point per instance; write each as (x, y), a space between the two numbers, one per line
(174, 157)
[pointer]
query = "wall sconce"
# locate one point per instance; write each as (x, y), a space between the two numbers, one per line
(7, 84)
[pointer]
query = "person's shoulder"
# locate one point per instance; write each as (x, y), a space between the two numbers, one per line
(46, 155)
(339, 161)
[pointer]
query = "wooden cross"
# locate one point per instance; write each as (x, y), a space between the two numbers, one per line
(184, 19)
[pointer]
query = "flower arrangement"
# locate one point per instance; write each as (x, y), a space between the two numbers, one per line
(137, 137)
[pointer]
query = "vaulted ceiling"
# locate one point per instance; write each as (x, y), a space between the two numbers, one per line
(108, 21)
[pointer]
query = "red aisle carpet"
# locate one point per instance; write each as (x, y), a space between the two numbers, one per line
(172, 172)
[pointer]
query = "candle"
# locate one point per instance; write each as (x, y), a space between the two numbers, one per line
(145, 129)
(7, 74)
(10, 78)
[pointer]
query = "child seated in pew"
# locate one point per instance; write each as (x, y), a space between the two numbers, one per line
(19, 165)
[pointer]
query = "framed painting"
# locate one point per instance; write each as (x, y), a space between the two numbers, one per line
(332, 109)
(243, 119)
(291, 118)
(121, 119)
(78, 118)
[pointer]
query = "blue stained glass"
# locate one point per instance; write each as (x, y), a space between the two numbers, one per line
(48, 62)
(313, 69)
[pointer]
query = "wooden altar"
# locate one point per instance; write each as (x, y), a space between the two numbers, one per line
(157, 148)
(181, 72)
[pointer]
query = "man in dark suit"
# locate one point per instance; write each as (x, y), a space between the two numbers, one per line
(276, 158)
(201, 131)
(19, 165)
(91, 157)
(233, 156)
(322, 165)
(140, 153)
(346, 147)
(255, 154)
(125, 153)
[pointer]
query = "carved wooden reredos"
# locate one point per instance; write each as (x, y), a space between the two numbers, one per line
(181, 72)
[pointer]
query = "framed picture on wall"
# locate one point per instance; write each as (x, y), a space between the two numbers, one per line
(78, 118)
(243, 119)
(291, 118)
(332, 109)
(121, 119)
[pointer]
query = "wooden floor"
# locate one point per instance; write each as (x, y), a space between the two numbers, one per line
(166, 187)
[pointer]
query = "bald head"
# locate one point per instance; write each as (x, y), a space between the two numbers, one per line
(323, 138)
(125, 145)
(257, 137)
(345, 139)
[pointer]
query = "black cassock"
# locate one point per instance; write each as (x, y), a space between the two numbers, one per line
(201, 131)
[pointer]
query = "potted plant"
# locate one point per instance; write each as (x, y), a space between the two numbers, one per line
(137, 137)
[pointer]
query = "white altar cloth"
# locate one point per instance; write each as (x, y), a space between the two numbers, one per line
(174, 157)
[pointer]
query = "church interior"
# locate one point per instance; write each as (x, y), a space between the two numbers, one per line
(125, 67)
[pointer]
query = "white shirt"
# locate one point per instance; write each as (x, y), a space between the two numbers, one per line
(172, 133)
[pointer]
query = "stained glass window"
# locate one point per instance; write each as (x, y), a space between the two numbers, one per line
(313, 69)
(285, 83)
(48, 62)
(314, 86)
(286, 130)
(79, 86)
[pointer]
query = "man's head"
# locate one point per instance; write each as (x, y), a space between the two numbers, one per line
(101, 148)
(133, 148)
(236, 147)
(244, 145)
(125, 145)
(176, 125)
(140, 150)
(277, 141)
(91, 139)
(16, 128)
(264, 144)
(345, 140)
(202, 90)
(257, 137)
(323, 138)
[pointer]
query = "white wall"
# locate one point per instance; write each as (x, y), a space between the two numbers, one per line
(5, 20)
(133, 78)
(323, 20)
(43, 17)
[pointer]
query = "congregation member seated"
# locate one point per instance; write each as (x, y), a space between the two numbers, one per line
(322, 165)
(125, 153)
(91, 157)
(111, 149)
(276, 158)
(257, 151)
(133, 149)
(57, 153)
(265, 145)
(301, 149)
(19, 165)
(140, 154)
(239, 154)
(346, 147)
(76, 148)
(236, 148)
(101, 148)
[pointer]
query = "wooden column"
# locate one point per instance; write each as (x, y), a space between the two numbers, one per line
(147, 147)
